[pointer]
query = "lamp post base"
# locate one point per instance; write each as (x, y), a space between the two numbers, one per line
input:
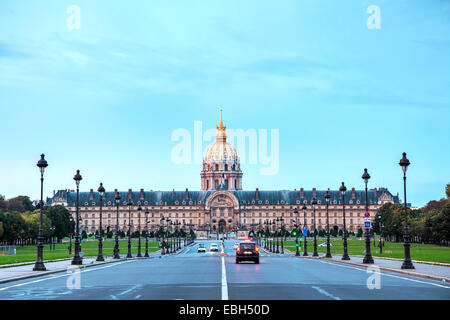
(345, 257)
(100, 258)
(407, 264)
(328, 255)
(368, 259)
(77, 261)
(39, 266)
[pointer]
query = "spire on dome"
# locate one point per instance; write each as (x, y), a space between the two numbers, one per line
(221, 135)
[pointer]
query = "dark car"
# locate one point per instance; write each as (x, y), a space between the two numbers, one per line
(247, 251)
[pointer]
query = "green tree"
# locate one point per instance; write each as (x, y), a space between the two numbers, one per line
(14, 226)
(27, 204)
(1, 229)
(447, 190)
(60, 218)
(15, 206)
(360, 232)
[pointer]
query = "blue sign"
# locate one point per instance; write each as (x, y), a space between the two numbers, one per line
(367, 224)
(305, 231)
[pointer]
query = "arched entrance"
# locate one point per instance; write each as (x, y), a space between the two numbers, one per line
(222, 225)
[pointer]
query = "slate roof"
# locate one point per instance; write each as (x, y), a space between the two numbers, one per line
(276, 197)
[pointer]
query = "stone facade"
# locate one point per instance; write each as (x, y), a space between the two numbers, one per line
(221, 204)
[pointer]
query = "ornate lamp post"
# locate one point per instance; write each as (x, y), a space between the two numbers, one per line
(52, 231)
(146, 233)
(327, 201)
(275, 221)
(129, 204)
(368, 257)
(139, 255)
(379, 227)
(163, 248)
(116, 245)
(305, 252)
(70, 236)
(39, 265)
(101, 191)
(297, 251)
(342, 190)
(77, 260)
(314, 202)
(282, 235)
(407, 263)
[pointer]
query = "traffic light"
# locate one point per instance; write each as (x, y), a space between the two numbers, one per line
(294, 232)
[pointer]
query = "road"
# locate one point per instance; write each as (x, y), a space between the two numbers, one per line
(190, 275)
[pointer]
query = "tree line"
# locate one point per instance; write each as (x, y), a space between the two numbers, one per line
(19, 222)
(430, 224)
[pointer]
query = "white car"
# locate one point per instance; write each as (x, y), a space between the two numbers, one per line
(324, 245)
(201, 248)
(213, 247)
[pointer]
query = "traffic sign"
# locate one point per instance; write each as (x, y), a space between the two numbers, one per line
(305, 231)
(367, 224)
(367, 214)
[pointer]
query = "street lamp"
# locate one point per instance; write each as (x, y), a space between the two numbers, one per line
(282, 235)
(101, 191)
(407, 263)
(139, 255)
(161, 223)
(116, 246)
(52, 232)
(129, 204)
(305, 252)
(297, 252)
(342, 190)
(379, 227)
(327, 201)
(314, 202)
(146, 233)
(39, 265)
(276, 232)
(70, 235)
(77, 260)
(368, 257)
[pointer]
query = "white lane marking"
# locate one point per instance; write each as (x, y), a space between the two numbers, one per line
(224, 281)
(388, 275)
(138, 296)
(325, 293)
(64, 275)
(129, 290)
(113, 297)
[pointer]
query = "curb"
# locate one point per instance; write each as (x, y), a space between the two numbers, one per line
(43, 273)
(415, 274)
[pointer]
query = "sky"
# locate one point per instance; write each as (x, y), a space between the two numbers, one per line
(106, 98)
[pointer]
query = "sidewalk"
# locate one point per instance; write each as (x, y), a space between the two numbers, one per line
(423, 270)
(13, 273)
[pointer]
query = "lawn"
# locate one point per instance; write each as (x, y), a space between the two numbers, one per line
(90, 249)
(422, 252)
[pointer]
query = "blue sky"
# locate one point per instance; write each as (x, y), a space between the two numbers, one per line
(106, 98)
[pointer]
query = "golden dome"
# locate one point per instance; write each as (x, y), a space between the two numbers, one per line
(221, 150)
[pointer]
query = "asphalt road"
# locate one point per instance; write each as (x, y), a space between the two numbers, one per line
(190, 275)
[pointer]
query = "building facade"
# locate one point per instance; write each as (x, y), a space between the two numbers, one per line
(221, 205)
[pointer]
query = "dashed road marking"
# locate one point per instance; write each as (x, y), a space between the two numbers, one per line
(325, 293)
(224, 281)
